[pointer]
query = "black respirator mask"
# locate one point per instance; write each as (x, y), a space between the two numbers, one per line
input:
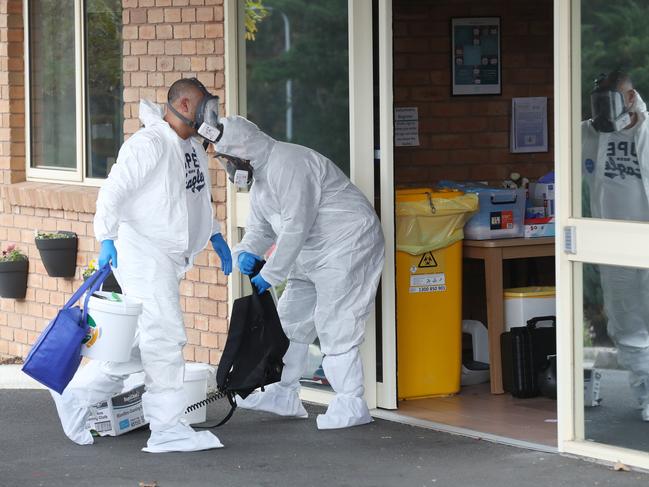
(610, 114)
(206, 120)
(239, 170)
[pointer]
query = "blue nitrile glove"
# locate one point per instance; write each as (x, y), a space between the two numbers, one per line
(108, 254)
(223, 251)
(260, 283)
(247, 262)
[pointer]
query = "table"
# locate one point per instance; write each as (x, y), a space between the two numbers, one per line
(493, 253)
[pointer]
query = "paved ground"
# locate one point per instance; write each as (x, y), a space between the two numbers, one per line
(263, 450)
(617, 420)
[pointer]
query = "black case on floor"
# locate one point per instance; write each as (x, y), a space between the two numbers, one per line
(524, 352)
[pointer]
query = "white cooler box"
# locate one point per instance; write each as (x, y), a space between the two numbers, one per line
(524, 303)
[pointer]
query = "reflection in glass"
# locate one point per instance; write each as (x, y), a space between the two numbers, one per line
(615, 154)
(616, 355)
(289, 95)
(103, 84)
(615, 129)
(52, 84)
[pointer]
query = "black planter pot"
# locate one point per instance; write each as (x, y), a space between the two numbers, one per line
(59, 255)
(110, 284)
(13, 279)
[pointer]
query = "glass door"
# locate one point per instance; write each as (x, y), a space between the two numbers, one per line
(302, 71)
(603, 263)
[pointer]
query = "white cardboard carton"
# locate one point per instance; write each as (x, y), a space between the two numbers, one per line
(118, 415)
(542, 195)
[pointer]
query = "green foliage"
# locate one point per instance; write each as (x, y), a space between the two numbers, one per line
(53, 235)
(316, 64)
(12, 254)
(614, 35)
(90, 270)
(254, 12)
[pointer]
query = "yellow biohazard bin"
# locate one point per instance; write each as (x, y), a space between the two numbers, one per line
(429, 233)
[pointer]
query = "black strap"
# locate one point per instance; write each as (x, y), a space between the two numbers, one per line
(216, 423)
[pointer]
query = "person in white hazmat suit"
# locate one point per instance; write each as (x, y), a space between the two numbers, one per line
(154, 215)
(615, 155)
(328, 246)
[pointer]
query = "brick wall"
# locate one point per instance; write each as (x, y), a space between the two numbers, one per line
(163, 41)
(467, 137)
(12, 95)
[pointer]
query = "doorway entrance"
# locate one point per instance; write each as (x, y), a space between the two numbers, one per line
(467, 137)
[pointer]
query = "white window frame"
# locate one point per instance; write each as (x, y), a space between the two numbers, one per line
(77, 175)
(597, 241)
(382, 394)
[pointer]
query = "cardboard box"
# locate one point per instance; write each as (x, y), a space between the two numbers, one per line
(592, 379)
(542, 195)
(539, 227)
(120, 414)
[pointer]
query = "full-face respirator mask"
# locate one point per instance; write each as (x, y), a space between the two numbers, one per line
(206, 120)
(239, 170)
(609, 111)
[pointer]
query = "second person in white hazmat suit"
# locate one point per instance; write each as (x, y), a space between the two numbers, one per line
(329, 246)
(615, 155)
(154, 215)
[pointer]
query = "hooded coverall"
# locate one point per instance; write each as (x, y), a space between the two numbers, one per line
(143, 206)
(329, 247)
(616, 170)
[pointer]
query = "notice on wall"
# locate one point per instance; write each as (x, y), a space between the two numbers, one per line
(529, 129)
(475, 44)
(406, 126)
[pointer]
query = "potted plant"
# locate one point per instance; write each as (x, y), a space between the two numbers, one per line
(109, 285)
(59, 252)
(13, 273)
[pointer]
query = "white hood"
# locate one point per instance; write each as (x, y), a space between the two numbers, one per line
(639, 107)
(150, 113)
(243, 139)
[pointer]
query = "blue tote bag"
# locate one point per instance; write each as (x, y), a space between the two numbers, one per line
(56, 355)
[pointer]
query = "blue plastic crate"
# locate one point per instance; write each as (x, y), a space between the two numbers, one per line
(501, 211)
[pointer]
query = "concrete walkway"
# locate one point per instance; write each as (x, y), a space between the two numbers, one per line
(264, 450)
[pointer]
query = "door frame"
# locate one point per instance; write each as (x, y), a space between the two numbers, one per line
(597, 241)
(361, 115)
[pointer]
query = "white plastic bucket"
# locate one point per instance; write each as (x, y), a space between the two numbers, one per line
(195, 385)
(524, 303)
(112, 327)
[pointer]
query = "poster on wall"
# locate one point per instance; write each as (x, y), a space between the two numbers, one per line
(475, 43)
(529, 128)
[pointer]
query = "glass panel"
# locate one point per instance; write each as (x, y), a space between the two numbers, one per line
(52, 84)
(104, 85)
(616, 355)
(289, 96)
(614, 78)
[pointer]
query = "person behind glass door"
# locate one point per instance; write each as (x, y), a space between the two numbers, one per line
(615, 158)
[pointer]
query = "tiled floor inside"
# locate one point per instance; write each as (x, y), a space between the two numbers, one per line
(531, 420)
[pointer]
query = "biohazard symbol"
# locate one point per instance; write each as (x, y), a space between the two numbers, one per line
(427, 260)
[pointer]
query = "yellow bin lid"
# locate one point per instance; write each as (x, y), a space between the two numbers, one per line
(530, 292)
(421, 194)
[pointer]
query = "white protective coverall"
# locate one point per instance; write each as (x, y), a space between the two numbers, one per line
(329, 244)
(616, 169)
(143, 207)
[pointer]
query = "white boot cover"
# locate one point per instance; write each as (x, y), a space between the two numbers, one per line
(89, 386)
(181, 438)
(348, 408)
